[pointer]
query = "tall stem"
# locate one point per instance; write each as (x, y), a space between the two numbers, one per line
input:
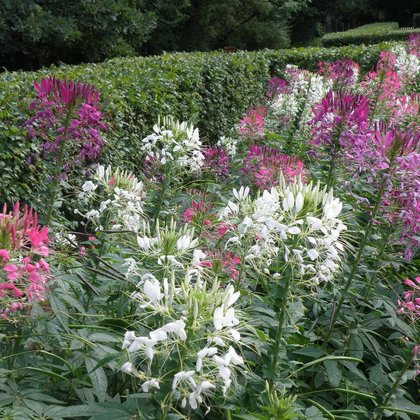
(334, 152)
(379, 260)
(331, 171)
(56, 182)
(59, 165)
(161, 199)
(281, 316)
(356, 262)
(377, 93)
(393, 389)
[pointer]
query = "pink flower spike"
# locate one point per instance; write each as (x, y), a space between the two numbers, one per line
(16, 306)
(409, 282)
(10, 268)
(4, 254)
(38, 238)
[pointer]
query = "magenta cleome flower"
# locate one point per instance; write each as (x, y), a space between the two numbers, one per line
(276, 86)
(216, 162)
(344, 72)
(413, 44)
(68, 121)
(340, 118)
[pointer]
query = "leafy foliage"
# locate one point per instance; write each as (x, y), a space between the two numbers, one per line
(368, 34)
(188, 292)
(212, 89)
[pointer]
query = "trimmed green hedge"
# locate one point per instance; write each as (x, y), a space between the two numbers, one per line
(212, 90)
(368, 34)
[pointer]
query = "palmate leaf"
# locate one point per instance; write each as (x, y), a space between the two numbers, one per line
(60, 311)
(98, 378)
(116, 409)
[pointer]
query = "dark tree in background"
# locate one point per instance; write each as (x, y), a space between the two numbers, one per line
(249, 24)
(36, 33)
(40, 32)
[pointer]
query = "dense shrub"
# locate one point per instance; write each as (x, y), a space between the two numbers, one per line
(210, 89)
(367, 34)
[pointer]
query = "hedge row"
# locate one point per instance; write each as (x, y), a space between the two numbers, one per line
(210, 89)
(368, 34)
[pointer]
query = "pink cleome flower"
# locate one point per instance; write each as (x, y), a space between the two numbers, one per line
(410, 304)
(253, 124)
(23, 271)
(263, 166)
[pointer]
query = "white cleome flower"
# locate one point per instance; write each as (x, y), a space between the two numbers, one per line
(150, 385)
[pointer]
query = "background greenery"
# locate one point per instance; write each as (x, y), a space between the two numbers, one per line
(368, 34)
(36, 33)
(212, 90)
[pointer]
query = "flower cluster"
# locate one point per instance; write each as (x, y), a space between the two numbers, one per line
(276, 86)
(344, 73)
(229, 144)
(410, 305)
(264, 165)
(193, 334)
(174, 143)
(68, 121)
(292, 106)
(405, 113)
(251, 127)
(339, 126)
(390, 157)
(406, 64)
(382, 86)
(23, 271)
(413, 44)
(170, 248)
(114, 199)
(294, 222)
(216, 162)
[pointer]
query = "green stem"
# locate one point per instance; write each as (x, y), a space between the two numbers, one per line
(378, 262)
(281, 316)
(164, 414)
(393, 389)
(334, 153)
(160, 200)
(356, 262)
(56, 182)
(331, 171)
(376, 99)
(58, 167)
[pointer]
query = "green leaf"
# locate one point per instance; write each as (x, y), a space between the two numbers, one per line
(333, 372)
(98, 378)
(314, 413)
(60, 311)
(322, 359)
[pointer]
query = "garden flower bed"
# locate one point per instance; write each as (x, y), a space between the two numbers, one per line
(270, 274)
